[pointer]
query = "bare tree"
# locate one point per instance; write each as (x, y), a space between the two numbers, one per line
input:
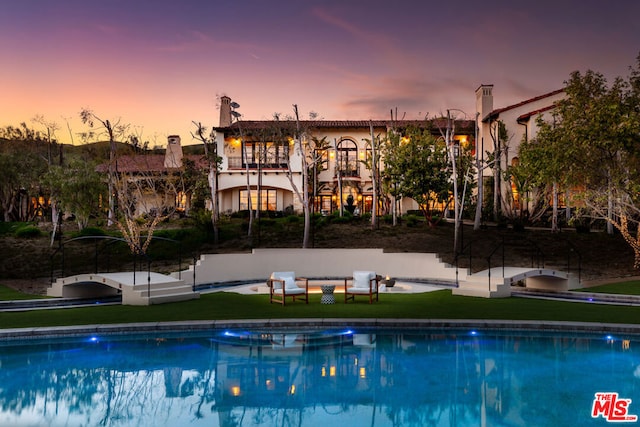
(448, 134)
(51, 127)
(112, 130)
(480, 167)
(500, 139)
(145, 197)
(301, 145)
(214, 160)
(237, 115)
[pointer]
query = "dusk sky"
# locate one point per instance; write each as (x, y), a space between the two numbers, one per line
(159, 65)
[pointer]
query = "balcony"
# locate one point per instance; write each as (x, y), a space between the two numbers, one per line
(236, 162)
(349, 173)
(348, 170)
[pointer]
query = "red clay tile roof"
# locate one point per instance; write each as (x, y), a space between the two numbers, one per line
(249, 125)
(146, 163)
(496, 113)
(526, 116)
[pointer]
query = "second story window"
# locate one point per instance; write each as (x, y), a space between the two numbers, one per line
(347, 158)
(265, 155)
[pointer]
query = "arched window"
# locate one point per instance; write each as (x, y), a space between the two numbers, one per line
(347, 158)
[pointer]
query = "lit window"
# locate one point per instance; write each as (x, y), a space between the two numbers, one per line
(267, 200)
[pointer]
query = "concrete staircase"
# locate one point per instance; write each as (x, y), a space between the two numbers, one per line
(480, 287)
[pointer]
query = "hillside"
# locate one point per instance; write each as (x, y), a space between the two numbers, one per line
(596, 256)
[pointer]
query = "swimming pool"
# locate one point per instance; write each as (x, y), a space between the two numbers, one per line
(312, 377)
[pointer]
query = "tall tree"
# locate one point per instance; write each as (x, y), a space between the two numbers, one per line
(525, 177)
(24, 161)
(596, 141)
(21, 169)
(51, 127)
(310, 151)
(545, 160)
(77, 188)
(145, 197)
(301, 145)
(245, 154)
(496, 160)
(461, 164)
(319, 158)
(417, 164)
(112, 130)
(213, 160)
(372, 162)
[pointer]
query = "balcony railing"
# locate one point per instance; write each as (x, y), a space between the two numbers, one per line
(349, 173)
(236, 162)
(350, 169)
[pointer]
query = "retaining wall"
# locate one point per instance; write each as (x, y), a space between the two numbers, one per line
(318, 263)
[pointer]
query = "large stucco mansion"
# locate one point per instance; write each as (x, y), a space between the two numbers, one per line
(261, 155)
(343, 175)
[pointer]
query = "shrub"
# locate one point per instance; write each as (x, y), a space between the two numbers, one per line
(201, 218)
(344, 219)
(411, 220)
(293, 219)
(91, 231)
(267, 222)
(28, 232)
(173, 233)
(321, 221)
(240, 214)
(10, 227)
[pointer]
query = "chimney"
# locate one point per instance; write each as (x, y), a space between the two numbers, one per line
(225, 112)
(484, 100)
(173, 154)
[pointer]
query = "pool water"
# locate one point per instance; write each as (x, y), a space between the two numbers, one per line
(319, 378)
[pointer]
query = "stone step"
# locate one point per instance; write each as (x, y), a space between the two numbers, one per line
(160, 299)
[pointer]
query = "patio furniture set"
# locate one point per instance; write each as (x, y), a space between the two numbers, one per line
(285, 284)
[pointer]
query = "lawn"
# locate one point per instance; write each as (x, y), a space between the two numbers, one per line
(9, 294)
(432, 305)
(622, 288)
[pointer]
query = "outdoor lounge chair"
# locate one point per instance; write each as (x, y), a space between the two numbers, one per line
(283, 284)
(362, 283)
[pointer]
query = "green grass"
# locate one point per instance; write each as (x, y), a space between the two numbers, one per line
(624, 288)
(433, 305)
(9, 294)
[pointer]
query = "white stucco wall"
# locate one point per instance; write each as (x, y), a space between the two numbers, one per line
(318, 263)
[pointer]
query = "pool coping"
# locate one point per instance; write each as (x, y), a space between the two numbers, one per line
(293, 324)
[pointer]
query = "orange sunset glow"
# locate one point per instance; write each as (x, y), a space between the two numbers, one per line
(160, 65)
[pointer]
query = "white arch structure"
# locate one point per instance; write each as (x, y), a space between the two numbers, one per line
(497, 281)
(136, 288)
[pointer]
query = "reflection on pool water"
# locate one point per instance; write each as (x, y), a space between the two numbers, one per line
(313, 378)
